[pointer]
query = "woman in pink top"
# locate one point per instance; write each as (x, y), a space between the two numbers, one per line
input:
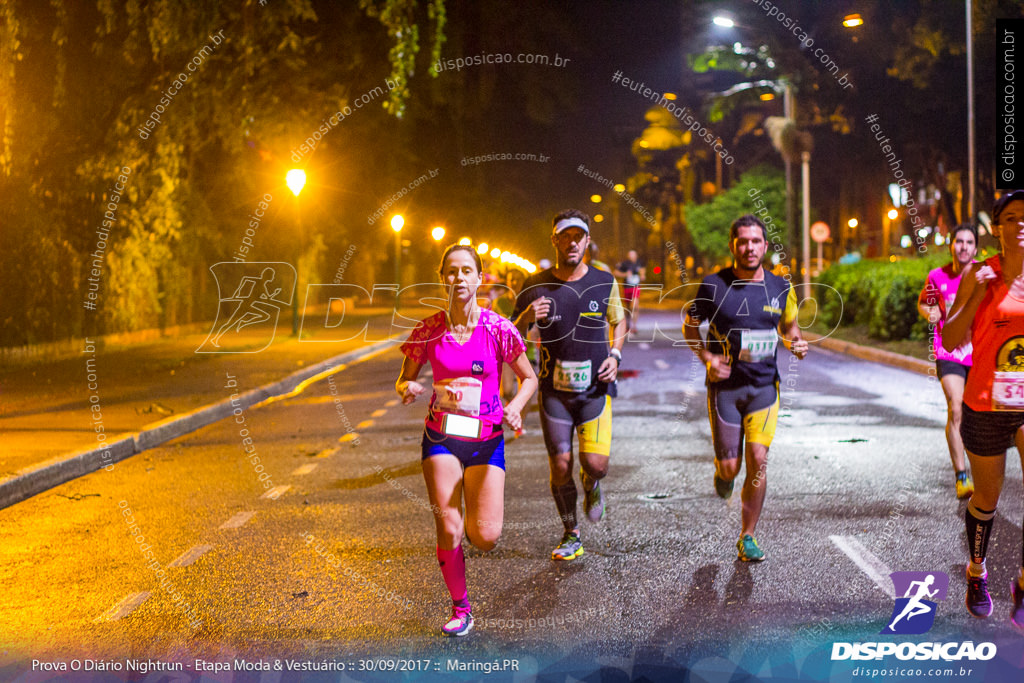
(952, 367)
(463, 446)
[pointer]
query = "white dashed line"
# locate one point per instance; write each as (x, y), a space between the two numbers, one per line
(868, 563)
(122, 609)
(189, 556)
(237, 520)
(305, 469)
(275, 493)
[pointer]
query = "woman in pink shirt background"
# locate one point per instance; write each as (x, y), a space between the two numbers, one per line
(463, 449)
(952, 367)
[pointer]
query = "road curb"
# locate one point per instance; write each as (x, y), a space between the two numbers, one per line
(897, 360)
(33, 480)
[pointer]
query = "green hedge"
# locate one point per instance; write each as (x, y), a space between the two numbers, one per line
(880, 295)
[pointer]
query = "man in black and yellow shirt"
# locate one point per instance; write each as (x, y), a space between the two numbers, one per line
(582, 329)
(747, 310)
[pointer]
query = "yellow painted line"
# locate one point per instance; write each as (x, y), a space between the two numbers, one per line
(392, 403)
(122, 609)
(365, 424)
(275, 493)
(326, 453)
(305, 469)
(379, 413)
(237, 520)
(190, 556)
(351, 436)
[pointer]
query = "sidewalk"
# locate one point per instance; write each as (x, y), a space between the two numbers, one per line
(142, 394)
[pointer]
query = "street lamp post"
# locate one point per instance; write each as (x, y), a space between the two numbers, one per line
(296, 180)
(397, 221)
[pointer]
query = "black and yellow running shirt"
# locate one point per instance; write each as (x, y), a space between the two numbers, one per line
(574, 336)
(744, 317)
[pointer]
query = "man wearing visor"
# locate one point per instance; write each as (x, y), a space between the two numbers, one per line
(582, 328)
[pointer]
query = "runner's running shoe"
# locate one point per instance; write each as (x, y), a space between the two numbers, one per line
(748, 549)
(979, 602)
(593, 503)
(723, 487)
(1017, 611)
(460, 623)
(570, 548)
(964, 486)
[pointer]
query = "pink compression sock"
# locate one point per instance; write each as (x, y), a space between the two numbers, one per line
(453, 569)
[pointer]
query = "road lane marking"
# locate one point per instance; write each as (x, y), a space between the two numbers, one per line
(237, 520)
(868, 563)
(351, 436)
(392, 403)
(305, 469)
(275, 493)
(365, 424)
(122, 609)
(378, 413)
(327, 452)
(190, 556)
(660, 364)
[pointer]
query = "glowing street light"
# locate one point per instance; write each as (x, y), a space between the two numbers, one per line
(296, 180)
(481, 248)
(893, 214)
(852, 20)
(723, 21)
(465, 241)
(619, 187)
(598, 218)
(397, 221)
(596, 198)
(437, 233)
(853, 222)
(495, 253)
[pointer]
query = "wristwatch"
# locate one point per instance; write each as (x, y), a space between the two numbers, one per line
(616, 353)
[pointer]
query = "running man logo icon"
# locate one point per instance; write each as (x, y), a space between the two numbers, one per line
(258, 293)
(914, 613)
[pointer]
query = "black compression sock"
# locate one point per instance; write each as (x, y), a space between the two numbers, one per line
(565, 502)
(979, 527)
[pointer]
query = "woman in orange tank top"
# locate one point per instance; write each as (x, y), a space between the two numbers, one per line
(989, 311)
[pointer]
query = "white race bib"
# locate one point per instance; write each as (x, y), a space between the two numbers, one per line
(757, 345)
(1008, 391)
(460, 395)
(572, 376)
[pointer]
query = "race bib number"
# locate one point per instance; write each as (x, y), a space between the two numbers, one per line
(572, 376)
(757, 345)
(1008, 391)
(460, 395)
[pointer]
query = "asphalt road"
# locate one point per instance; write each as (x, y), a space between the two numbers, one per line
(323, 552)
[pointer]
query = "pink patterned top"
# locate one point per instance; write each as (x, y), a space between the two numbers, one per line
(467, 377)
(940, 289)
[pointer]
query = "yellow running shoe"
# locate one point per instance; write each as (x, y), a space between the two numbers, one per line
(964, 486)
